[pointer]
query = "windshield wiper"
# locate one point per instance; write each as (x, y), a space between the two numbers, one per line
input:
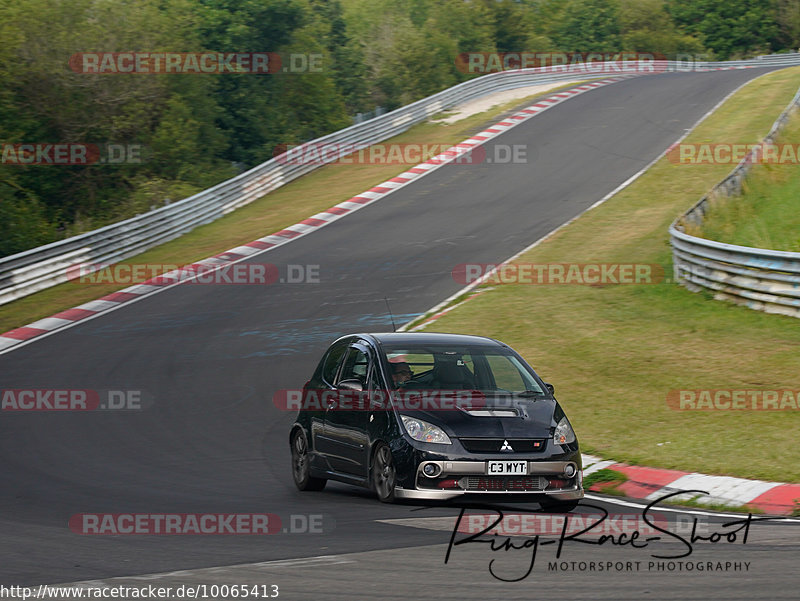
(522, 393)
(528, 393)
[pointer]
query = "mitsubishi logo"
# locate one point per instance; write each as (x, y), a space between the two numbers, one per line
(506, 447)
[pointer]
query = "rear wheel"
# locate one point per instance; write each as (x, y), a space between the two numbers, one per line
(300, 468)
(383, 475)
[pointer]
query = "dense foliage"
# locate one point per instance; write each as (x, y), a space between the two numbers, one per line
(199, 129)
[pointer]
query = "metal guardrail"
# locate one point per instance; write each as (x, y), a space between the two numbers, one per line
(762, 279)
(39, 268)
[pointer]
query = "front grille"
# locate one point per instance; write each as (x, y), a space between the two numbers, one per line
(493, 445)
(503, 483)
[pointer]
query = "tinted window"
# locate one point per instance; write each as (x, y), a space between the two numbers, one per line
(355, 367)
(374, 381)
(331, 362)
(459, 367)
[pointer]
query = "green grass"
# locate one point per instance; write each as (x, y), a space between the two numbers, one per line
(723, 507)
(604, 476)
(614, 352)
(294, 202)
(607, 482)
(767, 214)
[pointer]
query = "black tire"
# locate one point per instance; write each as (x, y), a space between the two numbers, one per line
(559, 506)
(383, 474)
(300, 469)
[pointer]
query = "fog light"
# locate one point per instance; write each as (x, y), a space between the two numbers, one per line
(431, 470)
(569, 471)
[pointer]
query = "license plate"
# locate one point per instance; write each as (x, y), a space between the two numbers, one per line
(507, 468)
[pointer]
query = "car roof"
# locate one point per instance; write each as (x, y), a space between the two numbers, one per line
(395, 338)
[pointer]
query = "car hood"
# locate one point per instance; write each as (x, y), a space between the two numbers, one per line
(534, 419)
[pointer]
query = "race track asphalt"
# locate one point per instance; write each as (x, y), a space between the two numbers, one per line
(209, 358)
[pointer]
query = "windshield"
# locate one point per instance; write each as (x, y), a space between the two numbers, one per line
(460, 368)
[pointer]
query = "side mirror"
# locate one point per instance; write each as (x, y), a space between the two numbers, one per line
(550, 387)
(350, 385)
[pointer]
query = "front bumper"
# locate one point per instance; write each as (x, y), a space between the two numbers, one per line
(466, 469)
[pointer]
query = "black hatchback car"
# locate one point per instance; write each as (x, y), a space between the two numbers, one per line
(434, 416)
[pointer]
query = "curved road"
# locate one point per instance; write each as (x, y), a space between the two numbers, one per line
(210, 357)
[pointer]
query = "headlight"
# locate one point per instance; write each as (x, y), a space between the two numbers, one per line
(564, 433)
(423, 431)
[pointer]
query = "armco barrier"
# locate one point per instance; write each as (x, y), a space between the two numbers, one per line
(766, 280)
(39, 268)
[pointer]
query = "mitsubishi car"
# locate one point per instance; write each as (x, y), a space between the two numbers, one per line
(425, 416)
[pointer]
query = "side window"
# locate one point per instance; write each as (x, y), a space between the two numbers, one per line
(332, 361)
(355, 366)
(374, 381)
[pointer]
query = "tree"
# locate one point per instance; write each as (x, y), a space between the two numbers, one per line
(787, 18)
(646, 26)
(346, 56)
(731, 28)
(45, 101)
(23, 220)
(588, 26)
(512, 23)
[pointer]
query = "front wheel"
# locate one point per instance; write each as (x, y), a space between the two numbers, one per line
(383, 474)
(300, 469)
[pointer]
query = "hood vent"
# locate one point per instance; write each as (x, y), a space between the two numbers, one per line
(489, 412)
